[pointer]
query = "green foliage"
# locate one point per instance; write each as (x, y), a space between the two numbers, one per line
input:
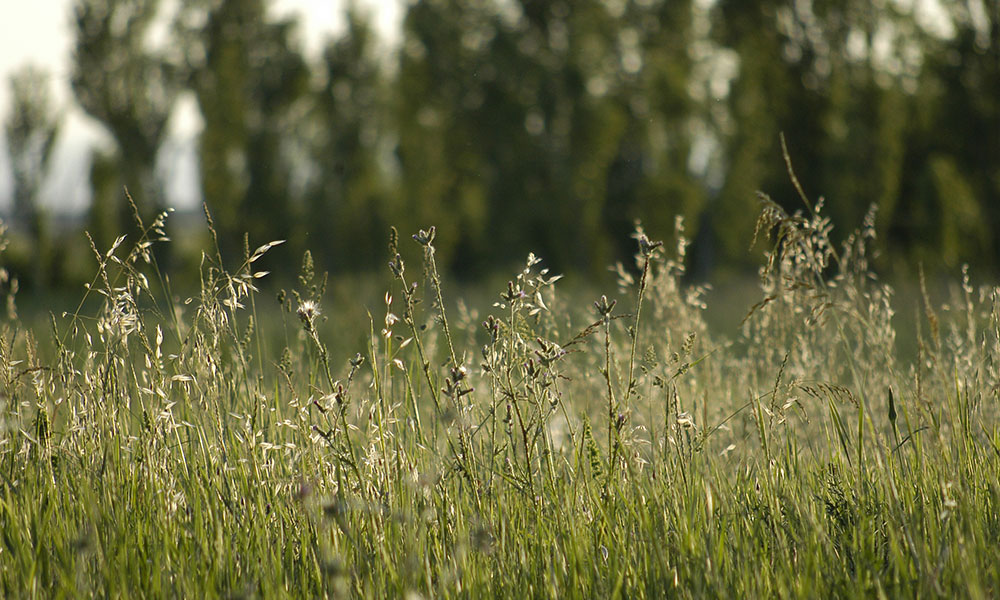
(30, 132)
(247, 76)
(347, 200)
(103, 218)
(856, 87)
(554, 125)
(554, 121)
(130, 89)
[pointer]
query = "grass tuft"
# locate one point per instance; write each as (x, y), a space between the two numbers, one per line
(213, 447)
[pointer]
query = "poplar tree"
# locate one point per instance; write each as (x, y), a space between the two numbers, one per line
(31, 129)
(130, 88)
(248, 78)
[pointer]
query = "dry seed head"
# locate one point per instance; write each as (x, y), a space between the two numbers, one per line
(604, 307)
(424, 238)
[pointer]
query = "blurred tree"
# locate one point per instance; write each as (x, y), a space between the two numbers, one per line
(954, 188)
(248, 78)
(31, 129)
(768, 96)
(130, 89)
(509, 126)
(651, 178)
(838, 78)
(561, 80)
(560, 123)
(442, 72)
(104, 221)
(347, 197)
(550, 125)
(864, 119)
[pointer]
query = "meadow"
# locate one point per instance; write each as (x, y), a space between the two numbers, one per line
(547, 445)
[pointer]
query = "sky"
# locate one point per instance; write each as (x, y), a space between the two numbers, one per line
(38, 32)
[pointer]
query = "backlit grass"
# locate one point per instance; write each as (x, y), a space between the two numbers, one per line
(552, 447)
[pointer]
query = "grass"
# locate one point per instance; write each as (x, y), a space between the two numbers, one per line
(554, 447)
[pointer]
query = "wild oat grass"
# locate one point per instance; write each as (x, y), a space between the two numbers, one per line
(554, 447)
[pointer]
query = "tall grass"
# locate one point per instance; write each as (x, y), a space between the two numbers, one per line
(554, 447)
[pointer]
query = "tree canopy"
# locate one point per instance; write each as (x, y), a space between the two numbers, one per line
(551, 126)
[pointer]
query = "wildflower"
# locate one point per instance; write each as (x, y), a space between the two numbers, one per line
(308, 311)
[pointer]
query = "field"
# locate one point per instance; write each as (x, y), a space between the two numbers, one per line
(545, 446)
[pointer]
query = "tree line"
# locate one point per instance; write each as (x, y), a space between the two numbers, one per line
(543, 125)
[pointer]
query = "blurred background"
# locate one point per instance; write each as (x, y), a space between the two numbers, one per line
(512, 125)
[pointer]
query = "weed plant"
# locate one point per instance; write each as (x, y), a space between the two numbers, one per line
(554, 447)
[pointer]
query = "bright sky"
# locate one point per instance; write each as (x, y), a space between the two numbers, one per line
(38, 33)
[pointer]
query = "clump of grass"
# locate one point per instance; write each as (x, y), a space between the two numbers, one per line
(167, 446)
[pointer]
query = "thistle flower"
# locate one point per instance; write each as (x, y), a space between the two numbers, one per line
(308, 311)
